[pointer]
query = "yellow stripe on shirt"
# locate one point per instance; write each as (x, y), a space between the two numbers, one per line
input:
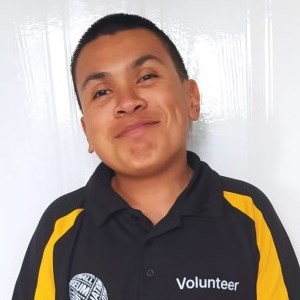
(45, 289)
(270, 283)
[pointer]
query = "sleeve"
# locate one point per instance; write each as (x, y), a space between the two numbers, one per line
(27, 280)
(271, 234)
(36, 280)
(278, 271)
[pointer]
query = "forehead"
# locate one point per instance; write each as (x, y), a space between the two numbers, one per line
(139, 37)
(121, 47)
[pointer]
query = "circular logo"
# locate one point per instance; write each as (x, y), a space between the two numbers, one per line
(87, 286)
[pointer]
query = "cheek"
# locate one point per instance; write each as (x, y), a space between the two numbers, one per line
(176, 106)
(95, 125)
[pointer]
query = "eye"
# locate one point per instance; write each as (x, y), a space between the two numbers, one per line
(101, 93)
(147, 77)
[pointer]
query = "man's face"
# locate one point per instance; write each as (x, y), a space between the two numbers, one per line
(136, 110)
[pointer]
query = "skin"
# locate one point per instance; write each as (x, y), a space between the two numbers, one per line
(136, 117)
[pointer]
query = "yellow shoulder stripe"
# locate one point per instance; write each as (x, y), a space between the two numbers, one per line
(45, 289)
(270, 283)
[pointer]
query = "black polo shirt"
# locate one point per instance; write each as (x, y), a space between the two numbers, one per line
(220, 240)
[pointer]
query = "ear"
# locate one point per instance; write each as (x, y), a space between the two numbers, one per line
(90, 148)
(193, 100)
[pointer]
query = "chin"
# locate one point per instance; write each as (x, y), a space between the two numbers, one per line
(139, 165)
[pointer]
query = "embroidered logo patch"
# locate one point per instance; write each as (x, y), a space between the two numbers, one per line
(87, 286)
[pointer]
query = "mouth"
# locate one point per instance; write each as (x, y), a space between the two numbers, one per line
(136, 129)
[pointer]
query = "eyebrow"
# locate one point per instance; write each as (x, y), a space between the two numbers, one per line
(136, 63)
(142, 59)
(94, 76)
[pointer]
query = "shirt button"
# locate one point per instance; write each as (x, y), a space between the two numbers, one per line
(150, 273)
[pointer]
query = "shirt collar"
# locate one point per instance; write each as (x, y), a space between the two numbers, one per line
(202, 197)
(102, 200)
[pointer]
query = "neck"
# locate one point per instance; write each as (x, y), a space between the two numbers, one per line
(154, 195)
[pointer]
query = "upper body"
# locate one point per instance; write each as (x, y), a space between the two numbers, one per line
(138, 105)
(220, 240)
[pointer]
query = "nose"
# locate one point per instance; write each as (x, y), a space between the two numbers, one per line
(128, 104)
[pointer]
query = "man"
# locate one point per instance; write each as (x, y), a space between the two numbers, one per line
(153, 222)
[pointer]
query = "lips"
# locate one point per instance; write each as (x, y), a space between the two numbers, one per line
(135, 129)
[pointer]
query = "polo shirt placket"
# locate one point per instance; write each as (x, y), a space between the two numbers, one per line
(152, 281)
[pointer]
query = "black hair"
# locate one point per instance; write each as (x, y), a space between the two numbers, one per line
(114, 23)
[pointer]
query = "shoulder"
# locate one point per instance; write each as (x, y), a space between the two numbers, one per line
(69, 201)
(245, 190)
(241, 187)
(57, 219)
(63, 206)
(252, 202)
(242, 192)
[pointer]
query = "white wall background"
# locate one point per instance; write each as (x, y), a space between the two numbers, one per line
(244, 54)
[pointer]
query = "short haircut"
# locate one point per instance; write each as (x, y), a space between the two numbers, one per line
(114, 23)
